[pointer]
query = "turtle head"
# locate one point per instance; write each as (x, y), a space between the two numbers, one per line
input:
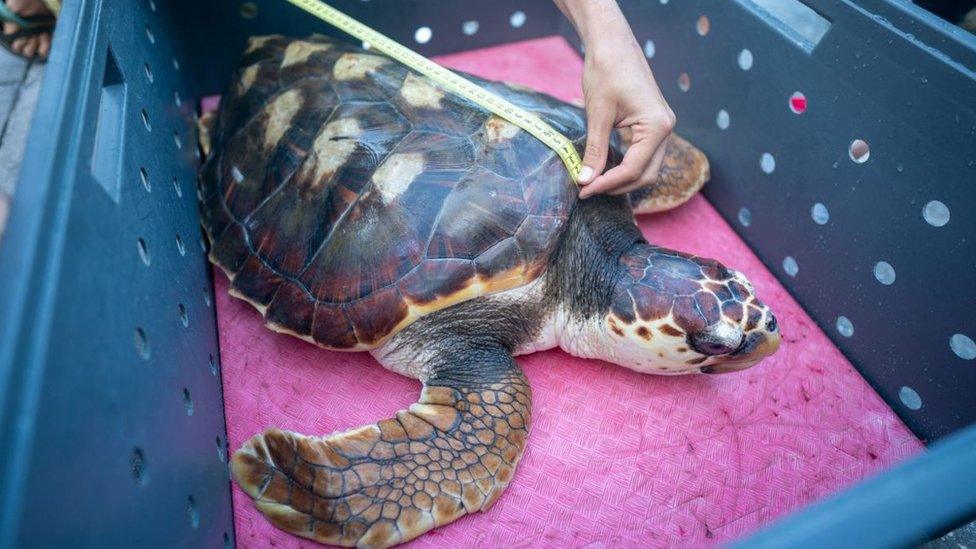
(674, 313)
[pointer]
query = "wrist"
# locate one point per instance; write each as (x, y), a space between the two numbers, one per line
(600, 24)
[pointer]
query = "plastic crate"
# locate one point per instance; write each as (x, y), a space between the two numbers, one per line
(111, 410)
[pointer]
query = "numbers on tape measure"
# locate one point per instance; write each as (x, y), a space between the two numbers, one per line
(450, 80)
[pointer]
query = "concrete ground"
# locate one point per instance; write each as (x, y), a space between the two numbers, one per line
(20, 84)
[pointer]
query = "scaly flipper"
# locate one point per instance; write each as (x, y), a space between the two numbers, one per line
(452, 453)
(683, 173)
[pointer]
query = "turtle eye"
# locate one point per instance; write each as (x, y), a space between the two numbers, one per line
(771, 324)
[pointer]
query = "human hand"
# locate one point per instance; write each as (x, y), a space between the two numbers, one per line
(620, 92)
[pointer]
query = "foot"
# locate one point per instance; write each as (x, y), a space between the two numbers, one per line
(38, 46)
(452, 453)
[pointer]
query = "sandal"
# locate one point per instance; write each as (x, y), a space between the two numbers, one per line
(30, 25)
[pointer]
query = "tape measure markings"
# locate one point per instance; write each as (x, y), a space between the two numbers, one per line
(529, 122)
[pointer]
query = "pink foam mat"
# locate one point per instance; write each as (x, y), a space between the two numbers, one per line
(614, 457)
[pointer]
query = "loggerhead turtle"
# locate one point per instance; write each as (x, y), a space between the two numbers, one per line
(360, 207)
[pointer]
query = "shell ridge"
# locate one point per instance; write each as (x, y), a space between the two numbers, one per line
(349, 208)
(291, 176)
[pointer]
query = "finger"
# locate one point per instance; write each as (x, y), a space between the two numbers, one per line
(30, 48)
(45, 47)
(635, 161)
(650, 175)
(599, 124)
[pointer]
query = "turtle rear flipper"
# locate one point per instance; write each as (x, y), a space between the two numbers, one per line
(452, 453)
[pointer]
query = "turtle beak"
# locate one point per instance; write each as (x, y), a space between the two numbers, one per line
(756, 347)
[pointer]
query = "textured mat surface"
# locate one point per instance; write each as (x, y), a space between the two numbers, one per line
(614, 457)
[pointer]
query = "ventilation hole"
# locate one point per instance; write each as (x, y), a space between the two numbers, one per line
(149, 73)
(187, 401)
(142, 343)
(143, 251)
(910, 398)
(745, 59)
(722, 120)
(820, 214)
(649, 49)
(226, 540)
(798, 102)
(684, 82)
(859, 151)
(150, 35)
(176, 64)
(745, 217)
(213, 366)
(844, 326)
(664, 2)
(469, 28)
(249, 10)
(180, 246)
(145, 120)
(703, 25)
(184, 319)
(884, 273)
(152, 5)
(423, 35)
(191, 509)
(963, 346)
(177, 188)
(177, 140)
(137, 463)
(144, 177)
(206, 297)
(936, 213)
(767, 163)
(790, 266)
(220, 449)
(177, 99)
(517, 19)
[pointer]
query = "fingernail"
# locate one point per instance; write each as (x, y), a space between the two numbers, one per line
(585, 174)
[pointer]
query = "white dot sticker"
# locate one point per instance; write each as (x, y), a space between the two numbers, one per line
(844, 326)
(517, 19)
(423, 35)
(745, 217)
(936, 213)
(649, 49)
(745, 59)
(884, 273)
(820, 214)
(790, 266)
(722, 120)
(767, 163)
(910, 398)
(963, 346)
(469, 28)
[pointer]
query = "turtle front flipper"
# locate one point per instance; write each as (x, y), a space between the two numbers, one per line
(452, 453)
(683, 173)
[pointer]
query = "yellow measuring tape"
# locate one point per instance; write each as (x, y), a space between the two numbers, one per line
(451, 81)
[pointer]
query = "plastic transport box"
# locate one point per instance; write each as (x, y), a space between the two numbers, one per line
(854, 183)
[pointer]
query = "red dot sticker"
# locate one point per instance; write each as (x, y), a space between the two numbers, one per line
(798, 102)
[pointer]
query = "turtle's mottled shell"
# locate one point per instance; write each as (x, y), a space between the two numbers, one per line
(347, 196)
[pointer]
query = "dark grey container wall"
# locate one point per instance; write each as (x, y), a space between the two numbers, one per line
(215, 53)
(892, 75)
(111, 413)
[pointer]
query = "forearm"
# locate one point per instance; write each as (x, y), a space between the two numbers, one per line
(600, 24)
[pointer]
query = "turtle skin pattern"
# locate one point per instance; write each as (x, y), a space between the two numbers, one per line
(347, 196)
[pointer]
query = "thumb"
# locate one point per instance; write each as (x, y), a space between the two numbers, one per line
(599, 124)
